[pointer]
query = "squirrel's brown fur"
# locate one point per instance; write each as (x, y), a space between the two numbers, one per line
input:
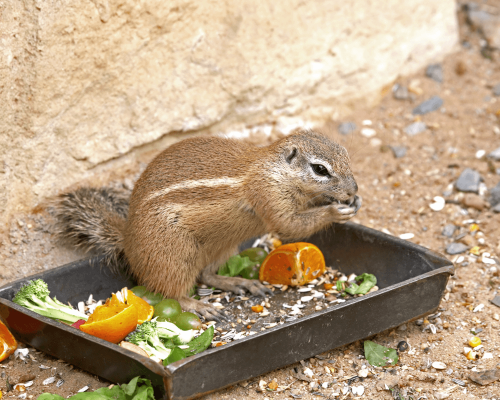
(200, 198)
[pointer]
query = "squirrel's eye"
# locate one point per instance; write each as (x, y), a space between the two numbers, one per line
(320, 170)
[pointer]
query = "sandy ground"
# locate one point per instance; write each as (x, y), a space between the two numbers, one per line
(397, 194)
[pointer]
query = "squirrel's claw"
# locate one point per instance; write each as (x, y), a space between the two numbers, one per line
(201, 309)
(257, 288)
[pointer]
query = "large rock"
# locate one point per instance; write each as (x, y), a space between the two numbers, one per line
(85, 83)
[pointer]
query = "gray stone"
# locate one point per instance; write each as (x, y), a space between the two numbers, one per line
(433, 104)
(400, 92)
(487, 24)
(496, 208)
(435, 72)
(456, 248)
(415, 128)
(496, 301)
(495, 154)
(399, 151)
(495, 195)
(468, 181)
(449, 230)
(345, 128)
(496, 89)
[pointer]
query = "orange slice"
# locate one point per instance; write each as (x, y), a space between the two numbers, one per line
(145, 311)
(293, 264)
(111, 322)
(7, 342)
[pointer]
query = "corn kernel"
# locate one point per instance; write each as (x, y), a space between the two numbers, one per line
(328, 286)
(258, 308)
(474, 341)
(276, 243)
(474, 250)
(474, 227)
(472, 355)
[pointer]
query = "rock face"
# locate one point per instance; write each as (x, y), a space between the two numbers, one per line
(92, 81)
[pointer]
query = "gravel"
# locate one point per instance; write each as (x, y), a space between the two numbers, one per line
(468, 181)
(435, 72)
(345, 128)
(495, 154)
(456, 248)
(415, 128)
(399, 151)
(449, 230)
(433, 104)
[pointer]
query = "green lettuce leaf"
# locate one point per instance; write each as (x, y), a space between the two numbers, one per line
(137, 389)
(367, 282)
(235, 265)
(380, 356)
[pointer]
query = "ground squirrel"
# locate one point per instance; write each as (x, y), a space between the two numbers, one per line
(201, 198)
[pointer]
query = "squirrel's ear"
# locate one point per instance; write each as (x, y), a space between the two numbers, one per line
(290, 154)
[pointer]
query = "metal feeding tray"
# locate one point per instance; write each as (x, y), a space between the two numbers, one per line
(411, 279)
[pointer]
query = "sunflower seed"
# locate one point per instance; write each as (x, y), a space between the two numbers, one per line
(59, 382)
(48, 381)
(83, 389)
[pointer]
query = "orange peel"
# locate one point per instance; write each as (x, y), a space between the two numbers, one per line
(293, 264)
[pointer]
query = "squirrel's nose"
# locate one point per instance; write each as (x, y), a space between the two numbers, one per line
(353, 189)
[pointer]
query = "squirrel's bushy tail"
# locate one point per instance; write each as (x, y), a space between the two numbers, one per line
(93, 219)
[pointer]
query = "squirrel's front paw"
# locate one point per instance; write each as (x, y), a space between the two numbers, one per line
(342, 212)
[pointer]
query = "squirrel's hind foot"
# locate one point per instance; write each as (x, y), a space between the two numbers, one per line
(204, 310)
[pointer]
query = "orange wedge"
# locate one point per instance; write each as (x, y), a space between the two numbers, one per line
(293, 264)
(7, 342)
(111, 322)
(145, 311)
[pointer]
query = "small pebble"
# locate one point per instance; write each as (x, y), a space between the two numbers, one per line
(496, 89)
(494, 198)
(456, 248)
(399, 151)
(415, 128)
(468, 181)
(368, 132)
(433, 104)
(435, 72)
(495, 154)
(345, 128)
(400, 92)
(448, 230)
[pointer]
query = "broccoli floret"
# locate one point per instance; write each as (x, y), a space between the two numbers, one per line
(146, 337)
(35, 296)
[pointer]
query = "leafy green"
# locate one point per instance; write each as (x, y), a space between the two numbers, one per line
(367, 282)
(339, 286)
(235, 265)
(176, 355)
(197, 345)
(380, 356)
(137, 389)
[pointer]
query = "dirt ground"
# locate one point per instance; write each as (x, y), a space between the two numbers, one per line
(397, 194)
